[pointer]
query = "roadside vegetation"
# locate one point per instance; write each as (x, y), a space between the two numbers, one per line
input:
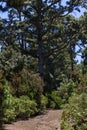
(75, 111)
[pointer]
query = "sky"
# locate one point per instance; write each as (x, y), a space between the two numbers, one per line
(78, 14)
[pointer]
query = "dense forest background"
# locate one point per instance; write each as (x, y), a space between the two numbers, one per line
(38, 67)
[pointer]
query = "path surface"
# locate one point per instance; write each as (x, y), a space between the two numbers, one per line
(48, 121)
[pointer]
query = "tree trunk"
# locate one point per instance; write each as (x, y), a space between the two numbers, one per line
(39, 40)
(40, 60)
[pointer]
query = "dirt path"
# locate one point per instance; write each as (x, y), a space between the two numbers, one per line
(48, 121)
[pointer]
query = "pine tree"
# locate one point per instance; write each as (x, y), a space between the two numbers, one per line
(32, 29)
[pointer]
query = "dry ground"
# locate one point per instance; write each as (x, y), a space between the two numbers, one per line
(50, 120)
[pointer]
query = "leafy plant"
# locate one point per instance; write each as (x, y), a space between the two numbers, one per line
(54, 101)
(7, 104)
(82, 85)
(66, 90)
(25, 107)
(44, 102)
(75, 113)
(14, 107)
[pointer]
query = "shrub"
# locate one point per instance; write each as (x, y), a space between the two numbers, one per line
(76, 76)
(14, 107)
(21, 107)
(44, 102)
(7, 105)
(54, 101)
(28, 83)
(9, 115)
(75, 113)
(25, 107)
(80, 81)
(66, 90)
(82, 85)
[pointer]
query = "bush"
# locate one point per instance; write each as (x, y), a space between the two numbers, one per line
(66, 90)
(25, 107)
(82, 85)
(9, 115)
(80, 81)
(7, 105)
(14, 107)
(28, 83)
(54, 101)
(44, 102)
(76, 76)
(21, 107)
(75, 113)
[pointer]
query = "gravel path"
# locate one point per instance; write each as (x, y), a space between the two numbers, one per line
(48, 121)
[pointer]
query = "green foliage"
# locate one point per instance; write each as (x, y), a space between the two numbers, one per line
(44, 102)
(76, 76)
(21, 107)
(14, 107)
(37, 34)
(54, 101)
(80, 81)
(11, 62)
(66, 90)
(82, 85)
(1, 108)
(25, 107)
(33, 37)
(8, 109)
(15, 104)
(15, 3)
(75, 113)
(27, 82)
(9, 115)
